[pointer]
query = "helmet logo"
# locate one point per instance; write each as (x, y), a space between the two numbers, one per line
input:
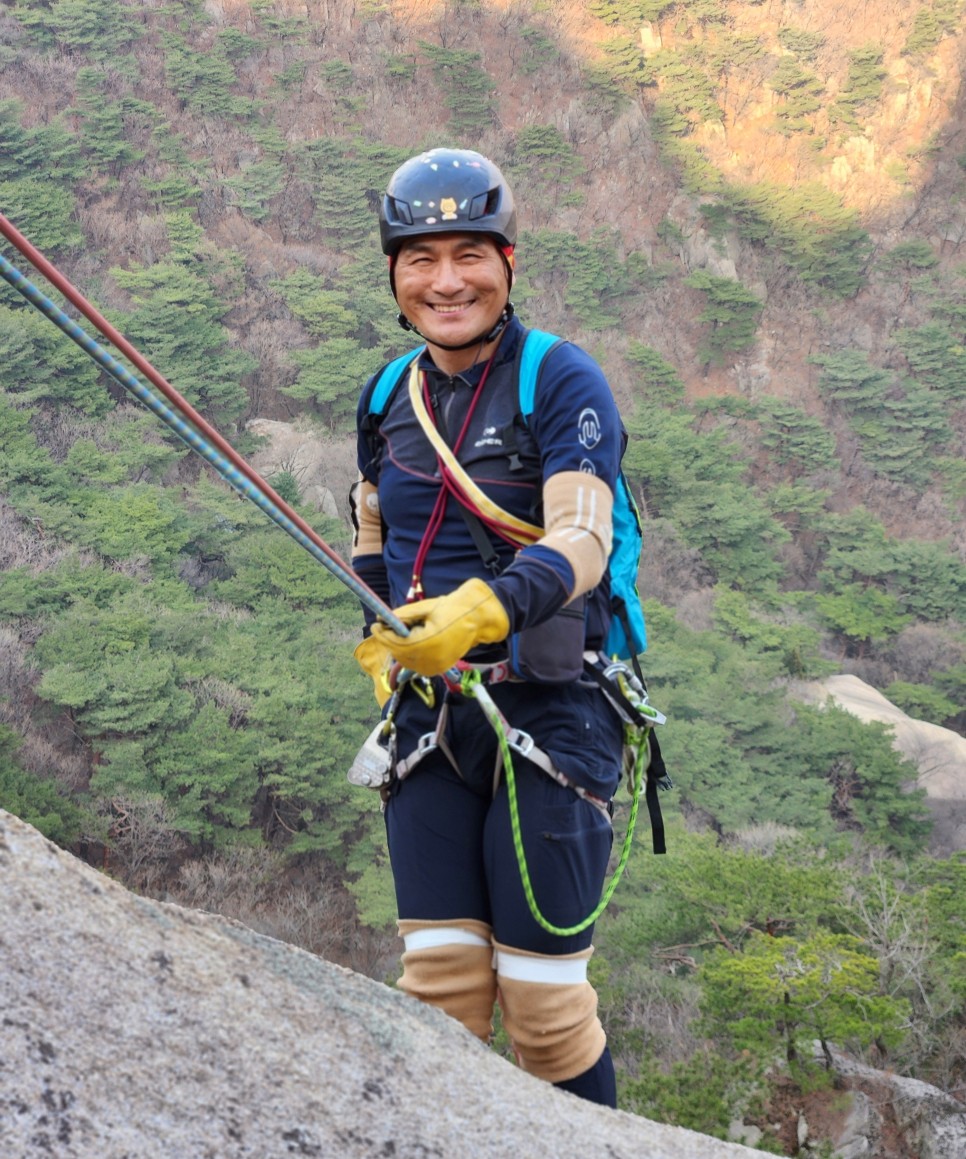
(447, 207)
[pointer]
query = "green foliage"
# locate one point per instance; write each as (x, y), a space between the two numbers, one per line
(543, 158)
(796, 990)
(801, 94)
(268, 565)
(863, 615)
(909, 255)
(340, 171)
(705, 895)
(281, 26)
(872, 787)
(103, 130)
(800, 42)
(49, 149)
(862, 87)
(467, 88)
(686, 87)
(927, 579)
(819, 237)
(922, 701)
(699, 1094)
(795, 440)
(38, 802)
(330, 377)
(929, 27)
(732, 312)
(936, 358)
(175, 324)
(539, 50)
(26, 592)
(900, 425)
(656, 380)
(100, 29)
(256, 185)
(590, 276)
(696, 481)
(626, 64)
(202, 80)
(43, 213)
(769, 632)
(38, 364)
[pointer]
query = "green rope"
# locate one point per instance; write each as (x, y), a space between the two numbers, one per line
(469, 683)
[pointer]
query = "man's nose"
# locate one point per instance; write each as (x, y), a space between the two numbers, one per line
(448, 276)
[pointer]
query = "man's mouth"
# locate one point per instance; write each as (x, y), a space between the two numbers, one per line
(450, 308)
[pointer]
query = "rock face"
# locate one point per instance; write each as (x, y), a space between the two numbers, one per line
(131, 1029)
(938, 753)
(922, 1120)
(303, 455)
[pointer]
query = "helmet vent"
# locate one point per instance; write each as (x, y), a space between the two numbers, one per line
(401, 211)
(484, 204)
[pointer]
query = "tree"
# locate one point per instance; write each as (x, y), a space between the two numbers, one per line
(39, 802)
(862, 87)
(873, 789)
(467, 88)
(800, 94)
(656, 379)
(102, 124)
(203, 80)
(42, 212)
(794, 439)
(795, 990)
(543, 158)
(936, 358)
(731, 310)
(175, 322)
(38, 365)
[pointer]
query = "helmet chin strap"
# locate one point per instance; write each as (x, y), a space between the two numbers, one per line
(480, 340)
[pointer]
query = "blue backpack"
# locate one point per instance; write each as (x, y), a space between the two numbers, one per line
(627, 636)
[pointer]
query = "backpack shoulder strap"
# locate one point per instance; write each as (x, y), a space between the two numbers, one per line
(387, 379)
(531, 352)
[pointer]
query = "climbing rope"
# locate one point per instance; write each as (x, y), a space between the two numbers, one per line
(471, 686)
(238, 474)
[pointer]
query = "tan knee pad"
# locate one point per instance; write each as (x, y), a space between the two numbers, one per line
(450, 965)
(550, 1012)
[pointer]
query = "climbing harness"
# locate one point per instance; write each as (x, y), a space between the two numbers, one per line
(376, 764)
(180, 417)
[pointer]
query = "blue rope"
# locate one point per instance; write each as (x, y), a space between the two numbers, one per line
(190, 436)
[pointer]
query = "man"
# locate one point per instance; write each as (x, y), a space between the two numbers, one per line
(453, 479)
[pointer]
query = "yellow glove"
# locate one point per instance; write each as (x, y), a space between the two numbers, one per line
(445, 629)
(374, 659)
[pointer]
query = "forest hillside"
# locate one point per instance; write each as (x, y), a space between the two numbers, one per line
(753, 216)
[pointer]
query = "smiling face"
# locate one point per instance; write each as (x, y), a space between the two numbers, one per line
(453, 288)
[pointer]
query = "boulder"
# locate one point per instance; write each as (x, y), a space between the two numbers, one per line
(132, 1027)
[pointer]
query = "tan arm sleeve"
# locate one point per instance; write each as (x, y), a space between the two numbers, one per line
(368, 539)
(577, 512)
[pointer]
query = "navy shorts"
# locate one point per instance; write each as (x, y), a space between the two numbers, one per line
(450, 840)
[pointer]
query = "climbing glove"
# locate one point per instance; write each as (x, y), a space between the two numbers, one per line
(374, 659)
(443, 630)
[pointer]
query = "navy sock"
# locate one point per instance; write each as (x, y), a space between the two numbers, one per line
(596, 1085)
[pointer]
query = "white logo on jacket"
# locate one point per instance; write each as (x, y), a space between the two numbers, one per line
(489, 438)
(589, 433)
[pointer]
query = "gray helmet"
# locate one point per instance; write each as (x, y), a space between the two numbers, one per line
(447, 191)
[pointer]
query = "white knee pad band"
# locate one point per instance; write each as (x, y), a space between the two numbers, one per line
(450, 965)
(550, 1012)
